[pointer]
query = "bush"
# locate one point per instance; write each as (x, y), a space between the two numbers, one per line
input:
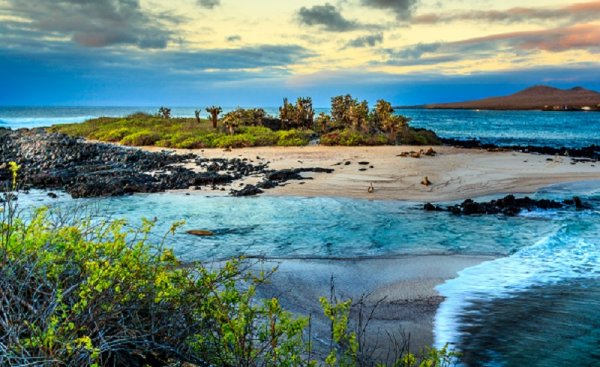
(142, 138)
(293, 137)
(194, 142)
(419, 137)
(263, 136)
(235, 141)
(113, 135)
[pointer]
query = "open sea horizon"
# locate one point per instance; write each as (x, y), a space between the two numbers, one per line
(541, 128)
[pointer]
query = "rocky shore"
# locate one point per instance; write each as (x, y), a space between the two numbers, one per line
(83, 169)
(589, 153)
(509, 205)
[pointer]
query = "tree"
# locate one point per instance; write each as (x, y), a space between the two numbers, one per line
(197, 113)
(393, 124)
(383, 110)
(359, 115)
(285, 113)
(304, 113)
(340, 109)
(164, 113)
(323, 122)
(214, 112)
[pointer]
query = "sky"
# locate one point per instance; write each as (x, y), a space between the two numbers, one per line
(254, 53)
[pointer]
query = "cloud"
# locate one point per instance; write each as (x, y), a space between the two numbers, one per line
(575, 13)
(418, 50)
(328, 17)
(96, 23)
(242, 58)
(364, 41)
(209, 4)
(402, 8)
(584, 36)
(579, 37)
(234, 38)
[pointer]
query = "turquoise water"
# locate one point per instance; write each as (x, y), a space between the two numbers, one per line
(537, 304)
(316, 227)
(571, 129)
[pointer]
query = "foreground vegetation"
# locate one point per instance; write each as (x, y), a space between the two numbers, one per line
(81, 292)
(351, 123)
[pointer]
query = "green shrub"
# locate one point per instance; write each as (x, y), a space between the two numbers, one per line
(194, 142)
(113, 135)
(235, 141)
(419, 137)
(293, 137)
(164, 143)
(142, 138)
(263, 136)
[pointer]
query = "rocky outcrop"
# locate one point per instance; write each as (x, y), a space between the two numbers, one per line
(509, 205)
(84, 169)
(591, 152)
(248, 190)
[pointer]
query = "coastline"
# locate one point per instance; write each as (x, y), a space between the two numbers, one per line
(402, 287)
(455, 173)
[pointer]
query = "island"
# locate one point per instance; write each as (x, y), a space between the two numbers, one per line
(539, 97)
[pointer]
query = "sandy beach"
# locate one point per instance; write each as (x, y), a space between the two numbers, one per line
(455, 173)
(402, 287)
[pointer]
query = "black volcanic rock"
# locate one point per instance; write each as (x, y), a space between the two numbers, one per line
(590, 153)
(84, 169)
(248, 190)
(508, 205)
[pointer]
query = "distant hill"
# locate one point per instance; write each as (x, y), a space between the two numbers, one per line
(540, 97)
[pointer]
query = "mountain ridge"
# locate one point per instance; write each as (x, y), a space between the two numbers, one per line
(537, 97)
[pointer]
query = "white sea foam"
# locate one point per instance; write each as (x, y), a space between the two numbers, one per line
(572, 252)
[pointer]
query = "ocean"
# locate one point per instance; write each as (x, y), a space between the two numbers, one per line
(556, 129)
(536, 304)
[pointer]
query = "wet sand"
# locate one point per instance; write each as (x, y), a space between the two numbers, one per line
(403, 288)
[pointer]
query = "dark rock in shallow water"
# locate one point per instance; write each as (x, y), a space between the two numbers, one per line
(509, 205)
(249, 190)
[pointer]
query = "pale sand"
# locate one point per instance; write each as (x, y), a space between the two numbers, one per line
(404, 284)
(455, 173)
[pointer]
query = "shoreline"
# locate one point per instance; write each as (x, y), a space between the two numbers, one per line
(455, 173)
(403, 288)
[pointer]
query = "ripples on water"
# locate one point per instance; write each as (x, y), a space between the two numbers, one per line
(317, 227)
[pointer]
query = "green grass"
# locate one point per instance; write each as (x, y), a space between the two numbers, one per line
(186, 133)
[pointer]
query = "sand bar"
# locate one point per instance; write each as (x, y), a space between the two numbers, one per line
(455, 173)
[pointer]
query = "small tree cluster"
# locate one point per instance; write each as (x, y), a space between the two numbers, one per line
(164, 112)
(214, 112)
(300, 116)
(243, 117)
